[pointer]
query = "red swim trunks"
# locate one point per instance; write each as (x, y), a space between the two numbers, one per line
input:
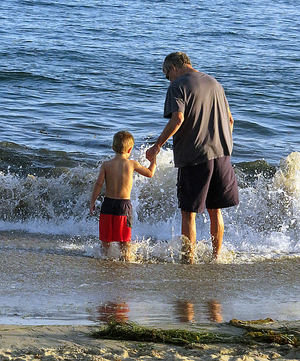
(115, 220)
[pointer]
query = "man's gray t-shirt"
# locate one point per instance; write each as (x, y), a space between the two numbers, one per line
(205, 132)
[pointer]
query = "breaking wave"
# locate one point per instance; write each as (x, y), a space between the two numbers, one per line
(53, 199)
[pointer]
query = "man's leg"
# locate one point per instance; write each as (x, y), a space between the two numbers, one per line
(216, 230)
(188, 230)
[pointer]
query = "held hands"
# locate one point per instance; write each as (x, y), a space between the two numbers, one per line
(152, 152)
(92, 209)
(153, 161)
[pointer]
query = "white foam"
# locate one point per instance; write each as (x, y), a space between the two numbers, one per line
(266, 223)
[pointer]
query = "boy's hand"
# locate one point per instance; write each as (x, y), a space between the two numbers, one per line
(92, 209)
(153, 161)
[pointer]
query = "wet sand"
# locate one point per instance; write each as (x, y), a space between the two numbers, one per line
(44, 283)
(76, 343)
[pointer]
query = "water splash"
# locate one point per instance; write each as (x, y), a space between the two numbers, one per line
(265, 225)
(287, 177)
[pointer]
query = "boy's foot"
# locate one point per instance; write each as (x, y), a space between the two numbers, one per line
(126, 254)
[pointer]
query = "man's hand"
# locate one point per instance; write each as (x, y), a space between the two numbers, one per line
(170, 129)
(152, 152)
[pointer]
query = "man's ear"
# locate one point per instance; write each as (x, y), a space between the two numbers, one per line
(130, 149)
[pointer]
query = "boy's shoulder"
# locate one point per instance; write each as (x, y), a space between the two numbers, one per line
(108, 162)
(104, 163)
(112, 161)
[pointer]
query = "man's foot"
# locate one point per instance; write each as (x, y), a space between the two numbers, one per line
(187, 259)
(215, 255)
(187, 251)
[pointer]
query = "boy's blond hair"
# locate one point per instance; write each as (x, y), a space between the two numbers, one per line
(122, 142)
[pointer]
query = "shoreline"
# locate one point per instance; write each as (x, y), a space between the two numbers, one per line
(77, 343)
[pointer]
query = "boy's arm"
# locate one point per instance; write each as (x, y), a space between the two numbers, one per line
(97, 188)
(230, 119)
(147, 172)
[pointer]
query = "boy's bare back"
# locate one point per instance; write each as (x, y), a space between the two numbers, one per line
(118, 177)
(117, 174)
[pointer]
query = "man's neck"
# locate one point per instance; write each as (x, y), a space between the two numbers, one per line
(185, 70)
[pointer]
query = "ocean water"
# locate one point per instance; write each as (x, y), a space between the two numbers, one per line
(72, 73)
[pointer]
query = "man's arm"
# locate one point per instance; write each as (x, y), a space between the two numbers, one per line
(97, 188)
(170, 129)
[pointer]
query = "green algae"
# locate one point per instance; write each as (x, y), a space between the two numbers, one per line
(133, 332)
(255, 332)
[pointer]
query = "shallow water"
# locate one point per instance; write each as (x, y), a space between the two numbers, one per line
(53, 270)
(49, 285)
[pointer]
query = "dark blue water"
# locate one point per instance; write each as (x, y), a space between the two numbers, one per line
(74, 72)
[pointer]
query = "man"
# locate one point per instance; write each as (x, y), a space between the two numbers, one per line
(201, 125)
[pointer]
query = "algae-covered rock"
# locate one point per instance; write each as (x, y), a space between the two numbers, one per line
(270, 336)
(260, 331)
(249, 324)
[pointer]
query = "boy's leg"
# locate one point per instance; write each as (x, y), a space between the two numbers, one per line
(188, 231)
(216, 230)
(125, 251)
(105, 248)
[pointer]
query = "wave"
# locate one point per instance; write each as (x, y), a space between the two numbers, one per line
(55, 200)
(56, 4)
(20, 160)
(23, 75)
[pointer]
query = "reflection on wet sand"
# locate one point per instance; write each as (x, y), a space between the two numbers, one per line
(185, 311)
(116, 311)
(215, 311)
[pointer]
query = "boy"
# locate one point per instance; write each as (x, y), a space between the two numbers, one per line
(116, 210)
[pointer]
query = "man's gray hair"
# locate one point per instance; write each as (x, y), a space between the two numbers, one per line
(177, 59)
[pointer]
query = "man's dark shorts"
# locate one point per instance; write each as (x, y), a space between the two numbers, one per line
(211, 185)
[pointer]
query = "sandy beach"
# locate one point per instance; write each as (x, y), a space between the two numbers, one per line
(76, 343)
